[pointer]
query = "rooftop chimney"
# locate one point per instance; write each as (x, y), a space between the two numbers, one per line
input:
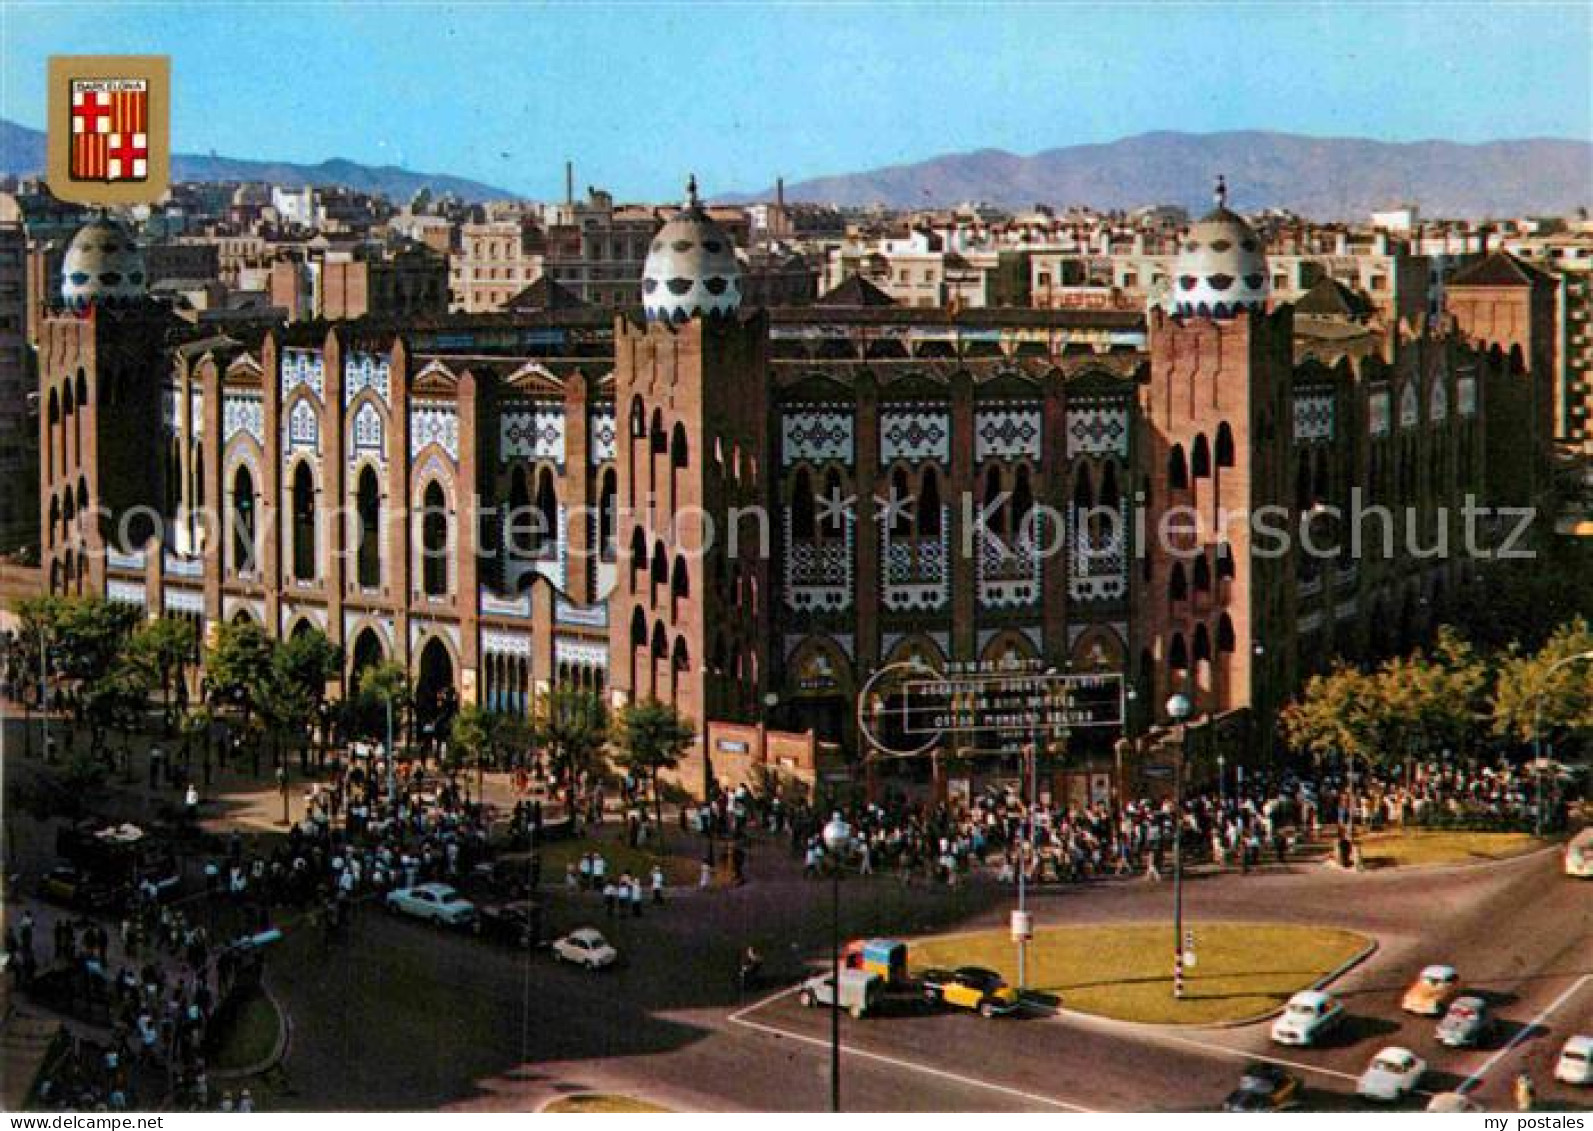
(569, 183)
(779, 193)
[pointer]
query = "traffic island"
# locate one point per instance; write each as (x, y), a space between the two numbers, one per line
(1405, 848)
(1123, 971)
(249, 1038)
(601, 1103)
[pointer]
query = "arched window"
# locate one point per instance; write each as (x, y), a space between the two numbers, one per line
(638, 556)
(1225, 638)
(545, 535)
(678, 454)
(1202, 575)
(929, 505)
(1202, 644)
(1178, 654)
(243, 541)
(660, 441)
(1225, 568)
(803, 527)
(434, 541)
(304, 556)
(174, 476)
(679, 587)
(1022, 506)
(1200, 458)
(638, 629)
(1178, 583)
(605, 515)
(521, 522)
(1177, 469)
(660, 571)
(997, 508)
(368, 502)
(1224, 445)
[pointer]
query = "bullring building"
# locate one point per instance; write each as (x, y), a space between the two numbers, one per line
(746, 512)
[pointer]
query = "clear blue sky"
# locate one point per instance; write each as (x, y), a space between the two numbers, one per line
(638, 94)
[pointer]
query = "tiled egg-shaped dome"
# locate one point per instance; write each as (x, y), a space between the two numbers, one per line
(1221, 268)
(103, 264)
(691, 268)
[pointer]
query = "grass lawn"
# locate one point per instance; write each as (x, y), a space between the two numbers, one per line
(682, 858)
(1402, 849)
(250, 1036)
(597, 1103)
(1124, 971)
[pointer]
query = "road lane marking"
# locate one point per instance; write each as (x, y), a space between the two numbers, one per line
(764, 1001)
(1571, 991)
(1241, 1054)
(909, 1065)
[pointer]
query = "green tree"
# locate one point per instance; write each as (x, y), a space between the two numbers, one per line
(87, 639)
(239, 664)
(167, 646)
(383, 691)
(301, 666)
(471, 737)
(1527, 693)
(571, 725)
(652, 737)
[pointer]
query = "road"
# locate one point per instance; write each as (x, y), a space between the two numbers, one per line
(479, 1026)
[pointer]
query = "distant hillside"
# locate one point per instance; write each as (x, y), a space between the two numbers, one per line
(1324, 178)
(22, 153)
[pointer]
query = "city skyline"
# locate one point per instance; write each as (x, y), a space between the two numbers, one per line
(1048, 76)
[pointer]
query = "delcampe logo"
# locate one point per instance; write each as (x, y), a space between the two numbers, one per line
(110, 128)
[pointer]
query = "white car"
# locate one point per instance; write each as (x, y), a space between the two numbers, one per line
(1575, 1065)
(1392, 1075)
(1309, 1015)
(1579, 855)
(585, 947)
(436, 903)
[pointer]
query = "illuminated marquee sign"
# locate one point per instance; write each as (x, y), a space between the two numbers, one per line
(997, 699)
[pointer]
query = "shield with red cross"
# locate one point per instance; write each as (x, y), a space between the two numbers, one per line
(110, 130)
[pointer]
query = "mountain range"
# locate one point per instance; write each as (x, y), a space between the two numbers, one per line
(22, 153)
(1323, 178)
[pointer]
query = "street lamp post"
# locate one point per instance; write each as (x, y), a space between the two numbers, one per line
(837, 838)
(392, 769)
(1537, 731)
(1178, 710)
(44, 693)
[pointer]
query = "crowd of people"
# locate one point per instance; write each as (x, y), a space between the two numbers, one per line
(1243, 824)
(149, 987)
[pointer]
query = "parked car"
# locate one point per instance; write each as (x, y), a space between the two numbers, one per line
(1431, 991)
(517, 922)
(585, 947)
(71, 886)
(969, 987)
(1309, 1016)
(1467, 1023)
(1264, 1087)
(860, 991)
(1579, 855)
(1392, 1075)
(1453, 1103)
(1575, 1065)
(435, 903)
